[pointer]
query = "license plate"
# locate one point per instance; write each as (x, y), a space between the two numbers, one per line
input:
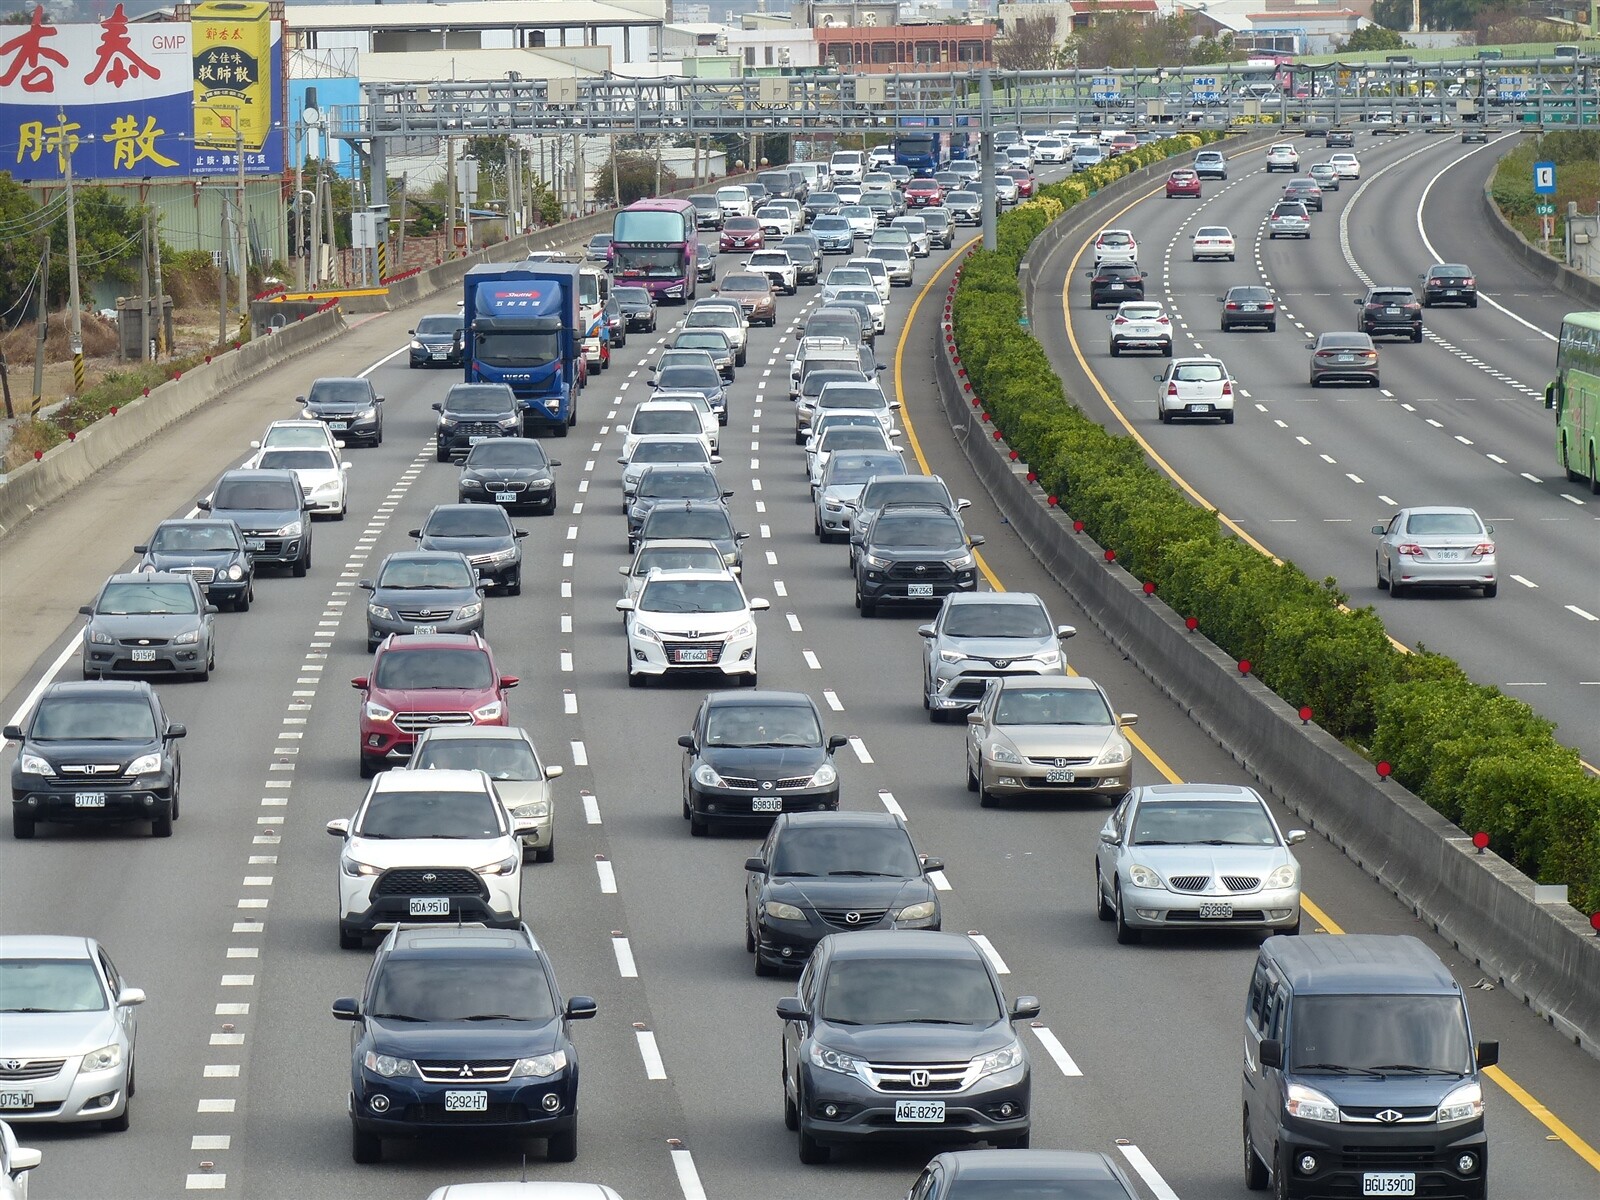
(89, 800)
(430, 906)
(466, 1102)
(693, 655)
(1115, 287)
(1388, 1183)
(1347, 358)
(338, 426)
(475, 438)
(1248, 307)
(1391, 312)
(1060, 775)
(1447, 555)
(16, 1099)
(919, 590)
(931, 1112)
(424, 629)
(1216, 911)
(441, 354)
(145, 655)
(766, 804)
(1200, 408)
(1452, 292)
(505, 497)
(254, 544)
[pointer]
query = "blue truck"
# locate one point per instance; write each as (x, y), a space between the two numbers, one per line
(924, 146)
(520, 324)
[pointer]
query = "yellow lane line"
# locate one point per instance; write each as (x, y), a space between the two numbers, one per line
(1545, 1117)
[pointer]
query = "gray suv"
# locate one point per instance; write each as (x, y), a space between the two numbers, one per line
(979, 636)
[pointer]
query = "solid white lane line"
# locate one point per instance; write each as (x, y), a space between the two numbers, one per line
(608, 876)
(989, 952)
(624, 952)
(860, 748)
(890, 803)
(654, 1068)
(1147, 1172)
(1057, 1051)
(591, 808)
(688, 1178)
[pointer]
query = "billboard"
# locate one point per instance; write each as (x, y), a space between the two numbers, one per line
(126, 101)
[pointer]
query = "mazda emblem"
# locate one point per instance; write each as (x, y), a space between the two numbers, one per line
(919, 1079)
(429, 877)
(852, 918)
(1389, 1116)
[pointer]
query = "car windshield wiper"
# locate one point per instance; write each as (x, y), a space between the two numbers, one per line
(934, 1021)
(1157, 842)
(795, 874)
(770, 745)
(42, 1010)
(1341, 1067)
(1221, 842)
(874, 874)
(395, 1017)
(495, 1017)
(1417, 1069)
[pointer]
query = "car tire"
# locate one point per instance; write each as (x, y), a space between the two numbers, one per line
(1256, 1176)
(365, 1147)
(635, 680)
(1473, 303)
(562, 1147)
(791, 1114)
(1398, 589)
(1416, 335)
(343, 510)
(348, 940)
(1167, 353)
(1019, 1142)
(513, 586)
(812, 1152)
(1166, 417)
(1491, 590)
(1102, 910)
(697, 825)
(242, 604)
(369, 766)
(1272, 328)
(869, 608)
(21, 826)
(120, 1122)
(1383, 584)
(161, 827)
(972, 779)
(1126, 934)
(545, 854)
(986, 798)
(301, 566)
(1116, 352)
(764, 969)
(749, 936)
(1227, 418)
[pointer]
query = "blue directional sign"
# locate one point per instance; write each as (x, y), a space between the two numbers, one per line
(1105, 87)
(1204, 88)
(1544, 179)
(1512, 88)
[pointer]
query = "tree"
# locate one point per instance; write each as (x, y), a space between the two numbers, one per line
(1374, 37)
(1029, 45)
(636, 175)
(20, 243)
(108, 240)
(1392, 14)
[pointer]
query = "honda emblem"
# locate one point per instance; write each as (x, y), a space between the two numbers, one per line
(919, 1078)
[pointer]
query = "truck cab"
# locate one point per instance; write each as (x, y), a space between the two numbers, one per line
(521, 328)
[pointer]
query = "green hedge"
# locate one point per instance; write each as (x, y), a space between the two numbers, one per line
(1482, 759)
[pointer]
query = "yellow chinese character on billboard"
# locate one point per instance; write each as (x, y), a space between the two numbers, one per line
(232, 73)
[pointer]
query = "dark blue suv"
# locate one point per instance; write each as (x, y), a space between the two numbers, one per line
(462, 1029)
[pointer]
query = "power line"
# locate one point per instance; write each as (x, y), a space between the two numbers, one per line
(22, 301)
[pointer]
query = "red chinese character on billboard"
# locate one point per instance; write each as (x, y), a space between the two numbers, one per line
(27, 50)
(116, 51)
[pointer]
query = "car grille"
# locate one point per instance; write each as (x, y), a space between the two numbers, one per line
(416, 722)
(896, 1077)
(78, 774)
(142, 641)
(1067, 762)
(510, 485)
(270, 547)
(676, 650)
(201, 574)
(1424, 1113)
(465, 1073)
(426, 614)
(839, 918)
(38, 1068)
(797, 781)
(1381, 1157)
(478, 428)
(1189, 883)
(1181, 916)
(921, 572)
(415, 881)
(1241, 883)
(127, 664)
(496, 1114)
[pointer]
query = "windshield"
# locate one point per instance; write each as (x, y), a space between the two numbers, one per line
(128, 599)
(439, 988)
(669, 452)
(298, 460)
(464, 398)
(96, 719)
(438, 325)
(1202, 822)
(714, 318)
(830, 225)
(847, 850)
(507, 452)
(499, 758)
(678, 523)
(690, 376)
(917, 531)
(665, 420)
(692, 596)
(854, 437)
(426, 573)
(296, 435)
(430, 814)
(634, 262)
(182, 539)
(1373, 1032)
(744, 283)
(678, 558)
(50, 985)
(683, 485)
(631, 295)
(709, 340)
(468, 520)
(270, 495)
(996, 621)
(854, 467)
(861, 991)
(763, 725)
(457, 670)
(516, 347)
(633, 225)
(1051, 706)
(340, 391)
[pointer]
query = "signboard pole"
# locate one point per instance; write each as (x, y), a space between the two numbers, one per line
(75, 309)
(161, 299)
(43, 324)
(243, 233)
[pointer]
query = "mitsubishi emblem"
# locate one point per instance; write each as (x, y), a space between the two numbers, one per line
(919, 1078)
(1389, 1116)
(466, 1071)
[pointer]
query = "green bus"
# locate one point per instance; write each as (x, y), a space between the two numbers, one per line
(1575, 396)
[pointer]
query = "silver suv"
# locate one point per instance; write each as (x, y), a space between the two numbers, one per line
(979, 636)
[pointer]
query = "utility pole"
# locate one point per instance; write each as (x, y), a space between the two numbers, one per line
(616, 174)
(144, 286)
(302, 247)
(222, 277)
(76, 318)
(450, 197)
(242, 233)
(986, 153)
(160, 288)
(328, 234)
(42, 323)
(400, 251)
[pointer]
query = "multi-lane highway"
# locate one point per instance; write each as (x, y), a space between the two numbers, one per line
(230, 925)
(1460, 418)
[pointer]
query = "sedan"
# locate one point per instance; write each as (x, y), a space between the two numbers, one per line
(691, 621)
(513, 472)
(668, 554)
(1195, 387)
(1213, 241)
(508, 757)
(436, 341)
(481, 533)
(661, 448)
(1449, 283)
(598, 248)
(70, 1031)
(1047, 737)
(1348, 356)
(1306, 190)
(638, 308)
(742, 233)
(920, 193)
(754, 295)
(861, 219)
(1288, 218)
(1006, 190)
(351, 408)
(1045, 1174)
(423, 591)
(1347, 165)
(834, 235)
(211, 550)
(897, 263)
(713, 342)
(1183, 182)
(149, 623)
(1249, 305)
(1141, 325)
(1196, 856)
(323, 477)
(1436, 547)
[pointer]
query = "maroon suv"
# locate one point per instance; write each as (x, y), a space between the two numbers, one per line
(742, 233)
(425, 681)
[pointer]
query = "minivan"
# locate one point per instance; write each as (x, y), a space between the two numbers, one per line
(847, 164)
(1360, 1074)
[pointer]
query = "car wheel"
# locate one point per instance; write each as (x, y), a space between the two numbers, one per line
(1416, 335)
(1166, 417)
(1126, 934)
(349, 940)
(545, 854)
(120, 1122)
(1383, 584)
(1396, 588)
(869, 608)
(986, 798)
(972, 778)
(301, 566)
(764, 969)
(697, 825)
(21, 826)
(242, 604)
(550, 505)
(1280, 1177)
(370, 766)
(1167, 353)
(562, 1147)
(749, 935)
(1101, 909)
(1227, 418)
(365, 1147)
(1273, 327)
(161, 826)
(1491, 590)
(514, 584)
(791, 1114)
(812, 1152)
(1255, 1171)
(1115, 351)
(1232, 258)
(635, 680)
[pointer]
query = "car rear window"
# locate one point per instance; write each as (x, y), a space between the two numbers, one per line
(689, 523)
(1443, 523)
(1198, 372)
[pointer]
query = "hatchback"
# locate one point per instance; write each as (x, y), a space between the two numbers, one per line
(423, 591)
(1183, 182)
(1326, 177)
(691, 622)
(742, 233)
(1347, 356)
(1390, 312)
(1195, 387)
(1436, 547)
(148, 623)
(754, 294)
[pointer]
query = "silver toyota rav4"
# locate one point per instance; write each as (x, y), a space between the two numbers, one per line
(979, 636)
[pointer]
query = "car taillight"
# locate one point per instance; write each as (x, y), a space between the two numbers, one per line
(1410, 549)
(1232, 304)
(1120, 321)
(1172, 389)
(1468, 281)
(1227, 387)
(1268, 306)
(1483, 548)
(1163, 320)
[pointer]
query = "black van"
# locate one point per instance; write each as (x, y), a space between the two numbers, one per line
(1360, 1074)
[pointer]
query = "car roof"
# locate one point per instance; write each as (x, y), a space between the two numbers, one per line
(524, 1190)
(434, 641)
(469, 733)
(1047, 683)
(959, 599)
(423, 556)
(692, 574)
(1359, 963)
(403, 779)
(744, 698)
(842, 818)
(1207, 793)
(1019, 1165)
(1439, 510)
(424, 939)
(44, 945)
(903, 943)
(270, 475)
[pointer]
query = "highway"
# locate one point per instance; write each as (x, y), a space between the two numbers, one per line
(1459, 419)
(230, 925)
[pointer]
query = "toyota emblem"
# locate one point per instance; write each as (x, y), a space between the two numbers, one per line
(852, 918)
(921, 570)
(12, 1064)
(766, 785)
(429, 877)
(1389, 1116)
(919, 1078)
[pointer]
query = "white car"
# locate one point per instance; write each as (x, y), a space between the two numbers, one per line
(823, 346)
(297, 433)
(862, 220)
(1141, 325)
(775, 221)
(691, 621)
(1346, 165)
(917, 229)
(847, 165)
(850, 276)
(15, 1163)
(868, 295)
(428, 845)
(875, 268)
(663, 416)
(1005, 189)
(1213, 241)
(1050, 150)
(1115, 246)
(324, 479)
(1281, 156)
(777, 266)
(852, 396)
(734, 201)
(1195, 387)
(669, 554)
(657, 449)
(1020, 156)
(897, 264)
(839, 436)
(880, 157)
(509, 758)
(710, 419)
(729, 319)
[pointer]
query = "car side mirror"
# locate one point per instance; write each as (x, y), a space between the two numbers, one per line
(211, 608)
(1488, 1054)
(975, 718)
(756, 865)
(1488, 528)
(759, 605)
(203, 505)
(686, 740)
(416, 533)
(926, 631)
(438, 408)
(1108, 834)
(1356, 302)
(141, 549)
(792, 1008)
(360, 683)
(24, 1159)
(377, 399)
(1295, 836)
(623, 461)
(1024, 1007)
(1127, 720)
(1380, 529)
(13, 733)
(622, 570)
(716, 460)
(1311, 345)
(411, 332)
(339, 827)
(580, 1008)
(519, 533)
(86, 609)
(509, 681)
(1272, 1053)
(976, 540)
(741, 537)
(366, 585)
(930, 864)
(1063, 632)
(255, 445)
(347, 1008)
(299, 399)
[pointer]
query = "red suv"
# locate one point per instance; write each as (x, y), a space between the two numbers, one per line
(920, 193)
(426, 681)
(742, 233)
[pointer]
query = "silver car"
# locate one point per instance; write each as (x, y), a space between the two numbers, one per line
(896, 262)
(507, 755)
(149, 623)
(1289, 218)
(979, 636)
(661, 448)
(69, 1031)
(841, 482)
(1055, 737)
(1436, 547)
(1196, 856)
(668, 554)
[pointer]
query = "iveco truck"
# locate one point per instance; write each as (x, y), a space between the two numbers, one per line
(522, 328)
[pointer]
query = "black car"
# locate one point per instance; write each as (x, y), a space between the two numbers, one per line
(437, 341)
(616, 322)
(1449, 283)
(913, 554)
(898, 1034)
(896, 489)
(472, 413)
(821, 204)
(1115, 282)
(685, 377)
(1249, 305)
(831, 872)
(707, 520)
(423, 591)
(462, 1029)
(1058, 1174)
(753, 755)
(484, 534)
(668, 482)
(778, 184)
(1390, 312)
(513, 472)
(713, 341)
(1306, 191)
(705, 268)
(351, 408)
(806, 252)
(638, 308)
(271, 510)
(96, 753)
(211, 550)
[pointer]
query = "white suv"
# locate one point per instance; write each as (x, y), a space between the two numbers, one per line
(428, 846)
(1115, 246)
(691, 621)
(847, 166)
(1281, 156)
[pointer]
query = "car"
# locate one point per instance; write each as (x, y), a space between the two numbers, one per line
(669, 554)
(598, 248)
(419, 681)
(912, 554)
(775, 221)
(1346, 356)
(350, 407)
(1198, 386)
(436, 341)
(1122, 143)
(713, 342)
(1114, 283)
(742, 233)
(895, 489)
(1052, 737)
(822, 872)
(921, 193)
(322, 476)
(638, 307)
(980, 637)
(72, 1034)
(1249, 305)
(1449, 283)
(16, 1161)
(880, 157)
(876, 271)
(707, 212)
(702, 378)
(1282, 156)
(695, 397)
(776, 265)
(806, 252)
(1436, 547)
(210, 550)
(690, 621)
(1474, 130)
(1196, 856)
(1213, 241)
(666, 483)
(940, 228)
(905, 1033)
(898, 174)
(837, 320)
(834, 234)
(842, 391)
(754, 294)
(872, 314)
(1306, 190)
(839, 484)
(879, 180)
(705, 270)
(483, 534)
(964, 206)
(847, 164)
(849, 275)
(423, 591)
(1288, 218)
(96, 753)
(1086, 156)
(1006, 191)
(654, 418)
(1341, 137)
(509, 758)
(703, 520)
(1141, 325)
(886, 204)
(1050, 150)
(727, 319)
(1210, 164)
(757, 192)
(271, 510)
(1058, 1174)
(616, 325)
(297, 433)
(1326, 176)
(661, 448)
(821, 204)
(1183, 183)
(916, 228)
(897, 262)
(514, 472)
(861, 219)
(149, 623)
(440, 999)
(1347, 165)
(848, 431)
(1390, 312)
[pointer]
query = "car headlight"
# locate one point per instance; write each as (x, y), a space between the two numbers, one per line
(834, 1060)
(706, 777)
(1462, 1104)
(541, 1066)
(308, 414)
(387, 1065)
(1311, 1105)
(501, 866)
(292, 529)
(824, 777)
(872, 560)
(145, 764)
(500, 556)
(99, 637)
(354, 867)
(731, 557)
(367, 414)
(747, 630)
(1113, 755)
(960, 563)
(471, 485)
(953, 656)
(1144, 877)
(377, 712)
(1281, 877)
(32, 764)
(380, 612)
(1001, 753)
(534, 810)
(328, 488)
(999, 1060)
(780, 911)
(416, 345)
(916, 912)
(235, 571)
(103, 1059)
(645, 632)
(187, 638)
(1048, 658)
(467, 611)
(491, 711)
